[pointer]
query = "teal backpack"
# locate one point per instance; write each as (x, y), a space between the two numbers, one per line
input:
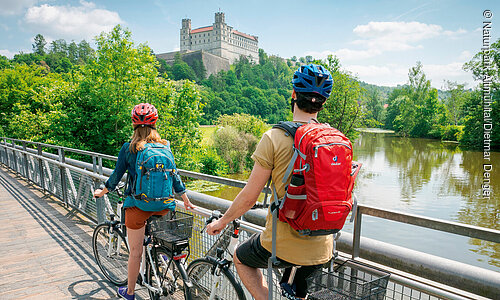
(155, 169)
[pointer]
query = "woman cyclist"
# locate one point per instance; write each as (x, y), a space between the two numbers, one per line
(144, 117)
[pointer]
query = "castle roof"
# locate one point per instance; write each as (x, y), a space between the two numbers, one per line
(244, 35)
(202, 29)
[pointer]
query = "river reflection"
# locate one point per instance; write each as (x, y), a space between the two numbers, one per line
(429, 178)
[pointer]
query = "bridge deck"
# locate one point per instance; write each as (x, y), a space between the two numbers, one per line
(45, 248)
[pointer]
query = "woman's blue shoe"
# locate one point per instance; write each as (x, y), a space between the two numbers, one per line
(122, 292)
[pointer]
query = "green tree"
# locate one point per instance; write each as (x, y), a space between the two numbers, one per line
(180, 126)
(73, 52)
(85, 52)
(39, 45)
(4, 62)
(455, 101)
(199, 69)
(181, 70)
(31, 102)
(474, 106)
(414, 109)
(58, 46)
(342, 109)
(120, 75)
(262, 56)
(374, 106)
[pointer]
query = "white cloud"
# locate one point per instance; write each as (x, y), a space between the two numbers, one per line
(375, 38)
(14, 7)
(455, 34)
(452, 72)
(392, 74)
(7, 53)
(399, 36)
(71, 22)
(465, 56)
(403, 31)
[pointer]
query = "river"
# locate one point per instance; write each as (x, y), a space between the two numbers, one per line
(428, 178)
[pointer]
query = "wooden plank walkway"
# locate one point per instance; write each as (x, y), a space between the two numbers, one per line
(45, 248)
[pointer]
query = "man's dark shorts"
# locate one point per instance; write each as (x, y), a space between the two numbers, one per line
(252, 254)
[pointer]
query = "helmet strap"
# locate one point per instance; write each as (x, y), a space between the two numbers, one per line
(292, 102)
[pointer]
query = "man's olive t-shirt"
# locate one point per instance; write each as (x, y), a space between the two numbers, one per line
(274, 152)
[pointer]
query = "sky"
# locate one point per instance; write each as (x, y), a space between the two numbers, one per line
(378, 41)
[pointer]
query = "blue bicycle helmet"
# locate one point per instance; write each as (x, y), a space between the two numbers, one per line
(313, 78)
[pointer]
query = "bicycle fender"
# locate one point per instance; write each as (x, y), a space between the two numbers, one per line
(184, 275)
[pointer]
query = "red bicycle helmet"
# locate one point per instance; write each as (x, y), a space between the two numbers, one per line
(144, 114)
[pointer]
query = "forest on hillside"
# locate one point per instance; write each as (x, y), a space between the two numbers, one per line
(72, 95)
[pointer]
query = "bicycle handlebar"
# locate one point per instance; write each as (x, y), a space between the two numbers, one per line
(117, 190)
(217, 215)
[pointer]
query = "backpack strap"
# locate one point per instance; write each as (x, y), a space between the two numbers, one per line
(291, 129)
(273, 260)
(356, 166)
(288, 126)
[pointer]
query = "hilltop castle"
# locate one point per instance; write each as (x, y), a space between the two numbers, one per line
(219, 39)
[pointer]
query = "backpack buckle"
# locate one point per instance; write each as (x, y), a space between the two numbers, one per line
(275, 205)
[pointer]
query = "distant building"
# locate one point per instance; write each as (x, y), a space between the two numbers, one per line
(219, 39)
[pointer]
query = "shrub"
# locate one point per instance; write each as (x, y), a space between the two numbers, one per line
(244, 123)
(234, 147)
(452, 133)
(212, 163)
(447, 132)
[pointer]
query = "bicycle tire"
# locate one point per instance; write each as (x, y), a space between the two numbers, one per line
(200, 274)
(113, 264)
(172, 278)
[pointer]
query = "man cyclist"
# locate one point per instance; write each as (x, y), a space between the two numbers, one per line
(312, 85)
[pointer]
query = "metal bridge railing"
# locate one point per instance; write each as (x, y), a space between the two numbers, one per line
(72, 181)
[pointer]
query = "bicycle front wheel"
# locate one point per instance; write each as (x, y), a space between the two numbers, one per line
(111, 253)
(169, 278)
(209, 281)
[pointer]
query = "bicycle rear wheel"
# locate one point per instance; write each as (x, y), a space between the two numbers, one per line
(200, 272)
(171, 275)
(111, 253)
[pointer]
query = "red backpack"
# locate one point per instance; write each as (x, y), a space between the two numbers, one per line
(319, 196)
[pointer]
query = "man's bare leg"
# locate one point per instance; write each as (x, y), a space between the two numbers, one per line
(253, 280)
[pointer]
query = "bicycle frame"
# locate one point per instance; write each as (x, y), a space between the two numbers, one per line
(146, 250)
(228, 259)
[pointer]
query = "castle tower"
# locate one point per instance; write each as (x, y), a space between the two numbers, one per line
(220, 18)
(185, 42)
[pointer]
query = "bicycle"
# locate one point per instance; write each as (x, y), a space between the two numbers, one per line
(211, 276)
(166, 245)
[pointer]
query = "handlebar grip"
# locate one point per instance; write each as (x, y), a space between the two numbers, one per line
(215, 216)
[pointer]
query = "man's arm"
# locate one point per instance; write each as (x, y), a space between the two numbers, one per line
(245, 199)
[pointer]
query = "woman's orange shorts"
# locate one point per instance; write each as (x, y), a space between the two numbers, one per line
(136, 218)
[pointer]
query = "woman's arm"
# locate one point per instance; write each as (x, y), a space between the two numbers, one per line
(116, 176)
